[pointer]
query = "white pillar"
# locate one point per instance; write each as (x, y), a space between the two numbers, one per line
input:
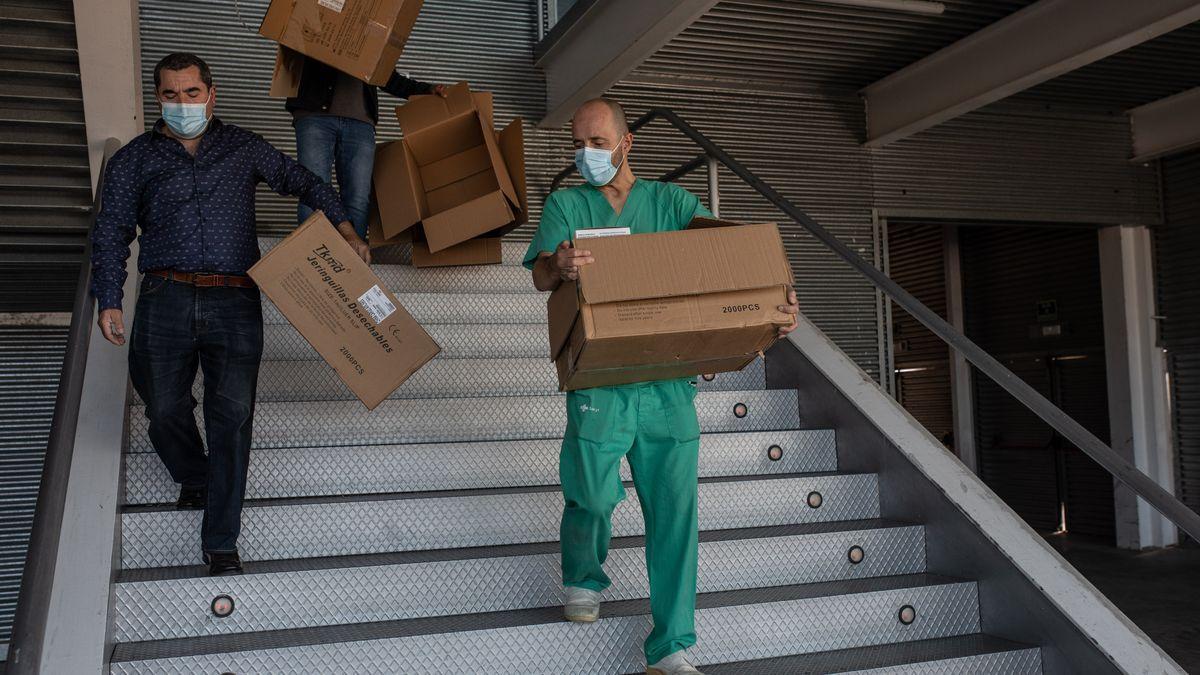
(961, 392)
(110, 69)
(1137, 392)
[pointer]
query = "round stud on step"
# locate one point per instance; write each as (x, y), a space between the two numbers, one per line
(709, 377)
(856, 554)
(815, 499)
(222, 606)
(907, 615)
(774, 453)
(740, 410)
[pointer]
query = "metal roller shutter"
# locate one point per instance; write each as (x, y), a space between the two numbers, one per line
(1007, 272)
(30, 364)
(1177, 248)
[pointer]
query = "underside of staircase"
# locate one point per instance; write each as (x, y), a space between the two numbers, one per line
(422, 537)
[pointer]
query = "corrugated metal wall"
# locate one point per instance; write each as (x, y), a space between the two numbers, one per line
(1007, 272)
(1010, 162)
(917, 261)
(1177, 250)
(30, 363)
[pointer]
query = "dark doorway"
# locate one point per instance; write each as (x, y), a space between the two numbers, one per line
(1032, 299)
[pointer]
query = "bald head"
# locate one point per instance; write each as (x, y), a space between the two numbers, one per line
(599, 123)
(603, 110)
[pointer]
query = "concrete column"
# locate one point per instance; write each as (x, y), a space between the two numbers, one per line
(961, 391)
(106, 34)
(1137, 391)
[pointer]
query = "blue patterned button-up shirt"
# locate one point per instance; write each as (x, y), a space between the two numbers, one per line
(196, 213)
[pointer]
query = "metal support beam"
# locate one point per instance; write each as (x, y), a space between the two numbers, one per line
(1137, 387)
(1036, 44)
(714, 186)
(602, 44)
(961, 389)
(110, 71)
(1166, 127)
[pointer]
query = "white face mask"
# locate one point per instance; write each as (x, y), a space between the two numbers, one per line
(596, 165)
(186, 120)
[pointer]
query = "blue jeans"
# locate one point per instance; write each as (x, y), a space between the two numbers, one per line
(325, 140)
(176, 328)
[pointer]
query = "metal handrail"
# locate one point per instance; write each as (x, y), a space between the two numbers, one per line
(1145, 487)
(33, 601)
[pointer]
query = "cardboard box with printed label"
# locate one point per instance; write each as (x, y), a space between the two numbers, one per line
(337, 303)
(452, 174)
(670, 304)
(362, 38)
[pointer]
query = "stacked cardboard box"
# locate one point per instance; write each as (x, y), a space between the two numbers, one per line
(454, 176)
(338, 304)
(670, 304)
(363, 38)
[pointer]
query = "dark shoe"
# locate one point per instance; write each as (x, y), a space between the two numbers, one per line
(221, 564)
(192, 499)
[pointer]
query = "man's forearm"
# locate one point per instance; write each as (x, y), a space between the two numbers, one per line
(545, 277)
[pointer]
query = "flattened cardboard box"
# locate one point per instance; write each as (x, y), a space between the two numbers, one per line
(452, 174)
(338, 304)
(362, 38)
(670, 304)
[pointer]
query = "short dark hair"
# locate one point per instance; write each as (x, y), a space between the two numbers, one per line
(182, 61)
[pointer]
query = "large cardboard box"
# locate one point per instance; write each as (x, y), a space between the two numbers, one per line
(452, 174)
(363, 38)
(670, 304)
(338, 304)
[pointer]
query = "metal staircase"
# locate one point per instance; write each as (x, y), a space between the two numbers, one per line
(421, 538)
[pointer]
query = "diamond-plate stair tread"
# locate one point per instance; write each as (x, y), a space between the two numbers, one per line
(457, 340)
(349, 423)
(373, 469)
(512, 252)
(138, 575)
(960, 612)
(450, 378)
(470, 308)
(165, 538)
(176, 608)
(976, 654)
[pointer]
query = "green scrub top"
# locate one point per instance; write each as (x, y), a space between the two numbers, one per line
(651, 207)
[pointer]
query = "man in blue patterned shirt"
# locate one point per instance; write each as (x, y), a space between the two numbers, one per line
(189, 184)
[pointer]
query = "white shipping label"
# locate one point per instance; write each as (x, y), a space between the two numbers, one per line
(335, 5)
(601, 232)
(377, 304)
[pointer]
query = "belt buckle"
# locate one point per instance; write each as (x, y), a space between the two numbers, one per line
(206, 280)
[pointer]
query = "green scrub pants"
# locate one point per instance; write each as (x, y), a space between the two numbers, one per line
(655, 425)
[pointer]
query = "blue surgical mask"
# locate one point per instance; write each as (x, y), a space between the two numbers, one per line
(596, 165)
(186, 120)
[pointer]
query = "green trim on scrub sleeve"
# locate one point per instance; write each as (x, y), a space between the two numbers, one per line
(654, 424)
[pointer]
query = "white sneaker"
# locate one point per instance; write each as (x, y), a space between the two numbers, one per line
(673, 664)
(582, 605)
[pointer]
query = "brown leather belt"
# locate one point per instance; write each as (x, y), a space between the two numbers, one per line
(202, 280)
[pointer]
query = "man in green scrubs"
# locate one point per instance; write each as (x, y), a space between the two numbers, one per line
(652, 423)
